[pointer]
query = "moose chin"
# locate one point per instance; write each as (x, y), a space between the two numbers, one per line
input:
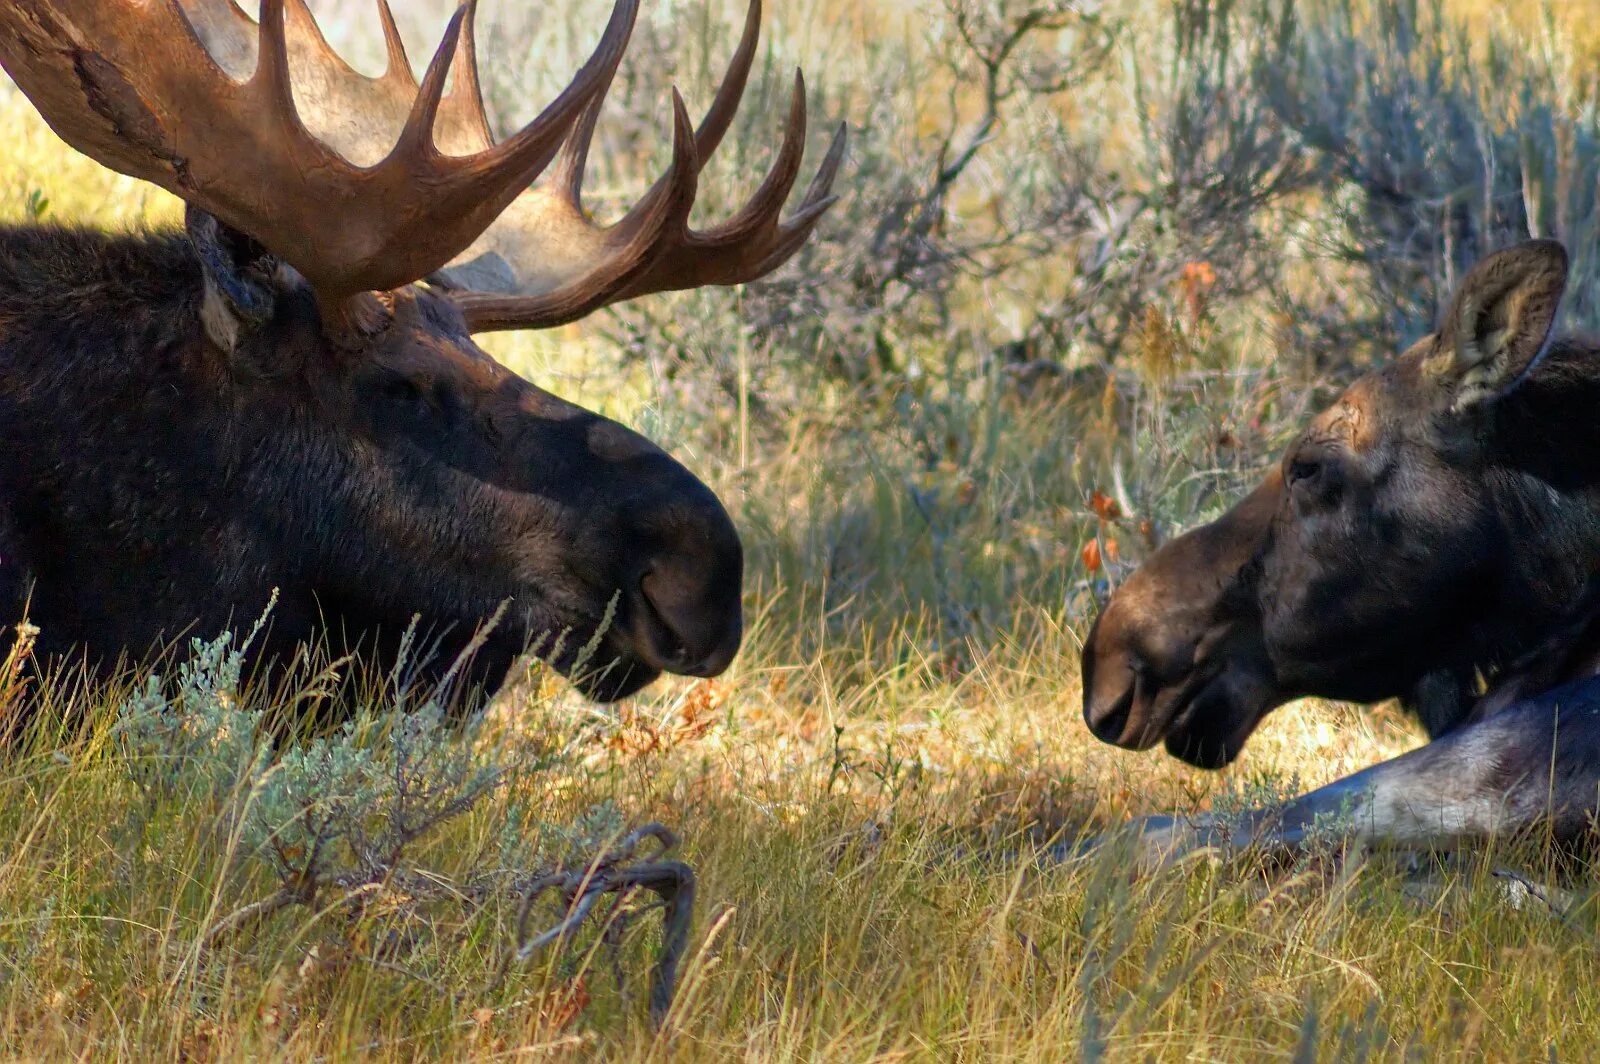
(284, 397)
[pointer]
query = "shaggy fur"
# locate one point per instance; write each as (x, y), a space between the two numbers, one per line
(155, 485)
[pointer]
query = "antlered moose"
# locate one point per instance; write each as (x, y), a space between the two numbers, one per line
(1439, 522)
(287, 394)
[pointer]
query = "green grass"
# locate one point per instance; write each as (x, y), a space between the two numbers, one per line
(861, 797)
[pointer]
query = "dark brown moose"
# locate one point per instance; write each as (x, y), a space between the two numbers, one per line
(1438, 523)
(287, 395)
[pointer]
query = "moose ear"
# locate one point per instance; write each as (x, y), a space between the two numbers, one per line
(239, 274)
(1499, 321)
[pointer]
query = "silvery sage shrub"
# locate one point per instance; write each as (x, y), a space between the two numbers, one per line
(336, 819)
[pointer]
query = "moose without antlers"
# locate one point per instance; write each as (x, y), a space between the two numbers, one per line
(1440, 522)
(287, 395)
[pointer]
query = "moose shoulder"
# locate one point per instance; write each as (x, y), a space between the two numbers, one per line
(286, 396)
(1437, 523)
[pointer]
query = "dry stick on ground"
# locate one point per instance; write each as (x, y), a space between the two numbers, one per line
(617, 872)
(613, 873)
(620, 872)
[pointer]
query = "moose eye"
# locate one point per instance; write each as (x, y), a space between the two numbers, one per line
(1315, 477)
(1302, 470)
(403, 394)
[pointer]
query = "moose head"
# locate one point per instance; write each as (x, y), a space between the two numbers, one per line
(291, 397)
(1429, 526)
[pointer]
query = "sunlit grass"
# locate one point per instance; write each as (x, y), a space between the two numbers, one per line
(866, 891)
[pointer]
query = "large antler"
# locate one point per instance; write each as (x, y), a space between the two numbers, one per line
(544, 262)
(372, 183)
(131, 84)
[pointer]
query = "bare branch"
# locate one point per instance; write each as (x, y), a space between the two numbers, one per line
(673, 882)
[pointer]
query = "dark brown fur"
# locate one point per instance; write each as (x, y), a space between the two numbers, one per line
(154, 484)
(1439, 523)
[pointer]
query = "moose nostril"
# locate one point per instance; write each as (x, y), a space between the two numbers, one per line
(1107, 712)
(1108, 721)
(695, 633)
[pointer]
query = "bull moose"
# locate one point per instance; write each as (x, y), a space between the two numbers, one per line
(1439, 523)
(286, 394)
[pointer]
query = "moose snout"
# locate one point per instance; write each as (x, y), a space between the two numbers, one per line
(1138, 677)
(691, 620)
(1200, 687)
(695, 632)
(1111, 682)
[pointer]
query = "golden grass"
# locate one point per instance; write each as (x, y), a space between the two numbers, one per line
(864, 894)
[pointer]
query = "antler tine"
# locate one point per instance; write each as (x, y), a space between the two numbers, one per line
(463, 105)
(398, 69)
(509, 279)
(619, 253)
(755, 242)
(819, 197)
(671, 198)
(417, 136)
(574, 160)
(567, 180)
(302, 26)
(797, 228)
(272, 62)
(725, 104)
(532, 147)
(769, 197)
(708, 136)
(666, 206)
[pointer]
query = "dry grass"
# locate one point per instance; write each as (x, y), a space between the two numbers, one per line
(866, 892)
(862, 801)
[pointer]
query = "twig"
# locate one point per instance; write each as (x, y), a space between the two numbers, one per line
(618, 872)
(250, 915)
(671, 881)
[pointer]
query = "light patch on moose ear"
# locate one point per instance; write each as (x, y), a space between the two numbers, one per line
(241, 280)
(1499, 322)
(226, 321)
(219, 317)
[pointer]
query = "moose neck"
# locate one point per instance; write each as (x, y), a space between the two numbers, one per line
(113, 427)
(1544, 466)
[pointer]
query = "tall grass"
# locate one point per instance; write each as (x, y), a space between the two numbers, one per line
(965, 413)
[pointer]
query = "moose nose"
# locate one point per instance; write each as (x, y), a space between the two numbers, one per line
(1110, 684)
(698, 624)
(1121, 689)
(690, 620)
(1108, 719)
